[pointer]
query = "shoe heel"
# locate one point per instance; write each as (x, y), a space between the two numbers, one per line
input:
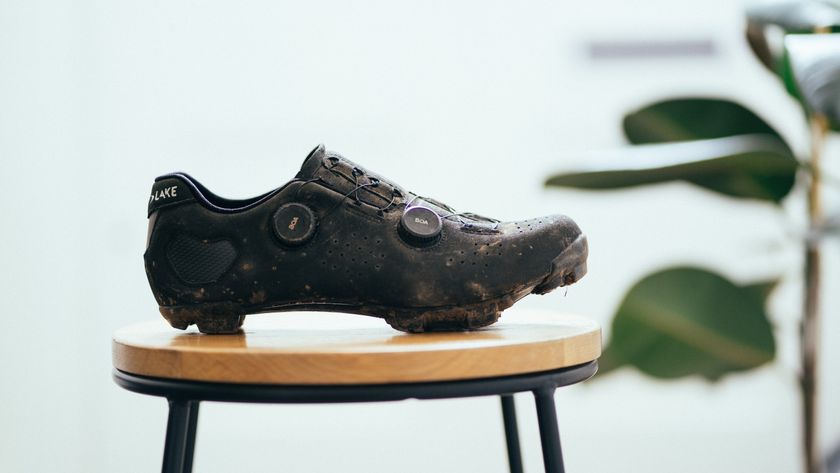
(213, 318)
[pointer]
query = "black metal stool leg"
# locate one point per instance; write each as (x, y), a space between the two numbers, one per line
(511, 433)
(180, 436)
(549, 432)
(192, 427)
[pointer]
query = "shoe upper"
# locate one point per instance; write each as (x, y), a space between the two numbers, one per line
(338, 234)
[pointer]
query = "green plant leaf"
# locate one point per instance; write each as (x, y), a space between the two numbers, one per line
(814, 65)
(746, 166)
(688, 321)
(692, 118)
(762, 290)
(768, 23)
(800, 16)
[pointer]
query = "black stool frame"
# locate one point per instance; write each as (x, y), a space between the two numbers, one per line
(184, 398)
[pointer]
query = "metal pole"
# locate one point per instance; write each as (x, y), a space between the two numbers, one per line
(511, 433)
(180, 436)
(192, 427)
(549, 432)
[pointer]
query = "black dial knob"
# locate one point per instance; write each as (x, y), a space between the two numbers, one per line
(420, 225)
(294, 224)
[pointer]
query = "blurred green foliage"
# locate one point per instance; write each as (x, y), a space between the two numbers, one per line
(689, 321)
(712, 329)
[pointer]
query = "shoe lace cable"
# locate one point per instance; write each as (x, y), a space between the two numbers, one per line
(452, 212)
(357, 186)
(395, 193)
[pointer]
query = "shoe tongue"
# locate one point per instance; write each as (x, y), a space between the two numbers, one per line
(312, 163)
(336, 175)
(344, 176)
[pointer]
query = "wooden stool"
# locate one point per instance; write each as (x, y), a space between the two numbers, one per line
(308, 357)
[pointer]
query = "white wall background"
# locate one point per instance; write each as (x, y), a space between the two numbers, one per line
(472, 102)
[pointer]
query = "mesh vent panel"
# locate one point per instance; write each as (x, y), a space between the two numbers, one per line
(200, 261)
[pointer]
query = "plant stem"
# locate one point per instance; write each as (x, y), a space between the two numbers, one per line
(810, 318)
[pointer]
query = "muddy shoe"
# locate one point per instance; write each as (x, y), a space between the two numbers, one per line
(340, 238)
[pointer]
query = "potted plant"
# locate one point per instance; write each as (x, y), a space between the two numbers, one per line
(684, 321)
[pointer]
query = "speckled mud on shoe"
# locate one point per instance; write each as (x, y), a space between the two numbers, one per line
(340, 238)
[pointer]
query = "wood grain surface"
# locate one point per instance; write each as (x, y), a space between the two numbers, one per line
(329, 348)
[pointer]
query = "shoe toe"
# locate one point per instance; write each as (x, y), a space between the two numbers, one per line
(552, 248)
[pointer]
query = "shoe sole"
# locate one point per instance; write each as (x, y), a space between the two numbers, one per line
(227, 317)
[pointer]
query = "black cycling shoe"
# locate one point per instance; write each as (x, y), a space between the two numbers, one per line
(340, 238)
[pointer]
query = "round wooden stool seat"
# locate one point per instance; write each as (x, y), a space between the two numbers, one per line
(331, 349)
(308, 357)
